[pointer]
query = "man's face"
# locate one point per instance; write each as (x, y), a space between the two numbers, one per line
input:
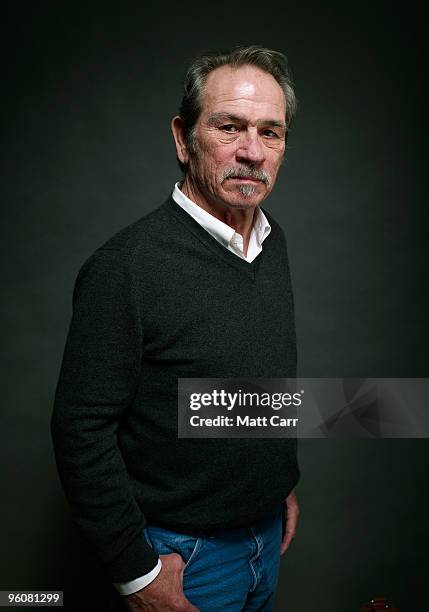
(239, 137)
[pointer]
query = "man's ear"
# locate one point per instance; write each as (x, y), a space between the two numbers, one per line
(178, 129)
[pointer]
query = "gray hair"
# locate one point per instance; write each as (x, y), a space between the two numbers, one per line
(268, 60)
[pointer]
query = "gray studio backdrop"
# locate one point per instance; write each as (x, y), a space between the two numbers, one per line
(89, 95)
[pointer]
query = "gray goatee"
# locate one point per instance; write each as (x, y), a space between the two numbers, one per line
(246, 172)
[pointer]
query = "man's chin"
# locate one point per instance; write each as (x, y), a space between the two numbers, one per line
(246, 199)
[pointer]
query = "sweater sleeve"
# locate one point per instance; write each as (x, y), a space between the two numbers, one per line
(98, 379)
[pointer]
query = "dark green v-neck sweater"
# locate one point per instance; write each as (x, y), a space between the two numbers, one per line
(162, 299)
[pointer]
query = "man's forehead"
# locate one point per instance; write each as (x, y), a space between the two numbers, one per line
(245, 86)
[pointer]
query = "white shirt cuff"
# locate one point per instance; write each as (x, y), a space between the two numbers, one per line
(127, 588)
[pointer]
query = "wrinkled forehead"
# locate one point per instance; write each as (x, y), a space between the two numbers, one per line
(245, 89)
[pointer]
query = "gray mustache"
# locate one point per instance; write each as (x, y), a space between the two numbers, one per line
(243, 172)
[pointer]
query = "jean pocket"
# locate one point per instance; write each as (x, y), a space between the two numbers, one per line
(165, 542)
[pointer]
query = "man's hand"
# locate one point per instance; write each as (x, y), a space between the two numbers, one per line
(165, 593)
(292, 513)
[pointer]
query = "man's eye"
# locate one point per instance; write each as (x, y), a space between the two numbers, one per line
(229, 128)
(269, 133)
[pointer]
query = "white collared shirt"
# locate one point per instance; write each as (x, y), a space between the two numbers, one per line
(223, 233)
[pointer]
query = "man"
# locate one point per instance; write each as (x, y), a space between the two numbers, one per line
(200, 287)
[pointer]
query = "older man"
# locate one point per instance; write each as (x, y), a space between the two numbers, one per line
(199, 287)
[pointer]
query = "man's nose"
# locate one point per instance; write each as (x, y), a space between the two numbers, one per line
(250, 148)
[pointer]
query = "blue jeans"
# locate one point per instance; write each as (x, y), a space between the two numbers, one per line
(233, 570)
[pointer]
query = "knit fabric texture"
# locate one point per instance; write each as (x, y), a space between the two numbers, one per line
(162, 299)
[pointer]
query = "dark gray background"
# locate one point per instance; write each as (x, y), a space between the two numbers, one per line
(89, 92)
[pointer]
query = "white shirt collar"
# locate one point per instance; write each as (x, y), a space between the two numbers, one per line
(218, 229)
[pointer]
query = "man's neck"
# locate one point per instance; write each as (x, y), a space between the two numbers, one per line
(240, 219)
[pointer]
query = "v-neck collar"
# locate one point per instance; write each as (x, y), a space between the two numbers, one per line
(248, 268)
(224, 233)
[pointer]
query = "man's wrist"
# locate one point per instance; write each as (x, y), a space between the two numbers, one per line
(128, 588)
